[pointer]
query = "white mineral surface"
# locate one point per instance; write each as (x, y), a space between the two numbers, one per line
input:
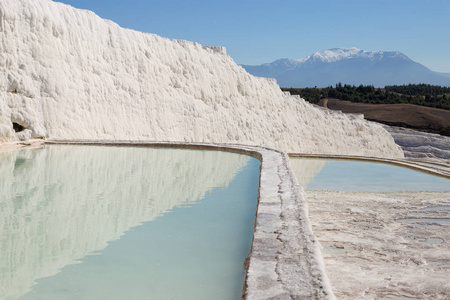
(65, 73)
(422, 145)
(384, 245)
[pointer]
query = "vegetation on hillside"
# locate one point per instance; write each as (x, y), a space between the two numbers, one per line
(419, 94)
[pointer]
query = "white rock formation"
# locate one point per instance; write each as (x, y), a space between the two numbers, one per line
(66, 73)
(417, 144)
(384, 245)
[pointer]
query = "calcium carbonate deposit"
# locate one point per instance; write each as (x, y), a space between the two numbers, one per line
(422, 145)
(384, 245)
(65, 73)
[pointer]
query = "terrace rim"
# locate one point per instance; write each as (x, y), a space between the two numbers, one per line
(285, 260)
(442, 170)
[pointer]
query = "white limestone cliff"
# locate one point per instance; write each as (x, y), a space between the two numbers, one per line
(65, 73)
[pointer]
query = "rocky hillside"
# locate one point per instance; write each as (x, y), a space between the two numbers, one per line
(66, 73)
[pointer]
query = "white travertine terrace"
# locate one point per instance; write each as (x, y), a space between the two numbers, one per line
(381, 245)
(422, 145)
(285, 261)
(65, 73)
(68, 74)
(370, 252)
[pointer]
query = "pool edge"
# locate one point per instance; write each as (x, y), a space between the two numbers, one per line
(285, 260)
(407, 163)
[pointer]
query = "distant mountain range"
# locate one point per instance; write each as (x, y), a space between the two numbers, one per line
(349, 66)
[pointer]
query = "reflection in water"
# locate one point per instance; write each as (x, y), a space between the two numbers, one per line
(348, 175)
(60, 203)
(305, 169)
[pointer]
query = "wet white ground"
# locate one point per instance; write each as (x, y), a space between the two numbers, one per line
(370, 253)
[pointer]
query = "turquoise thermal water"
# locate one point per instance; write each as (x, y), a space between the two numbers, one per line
(358, 176)
(96, 222)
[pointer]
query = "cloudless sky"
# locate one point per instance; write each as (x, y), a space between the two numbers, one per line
(260, 31)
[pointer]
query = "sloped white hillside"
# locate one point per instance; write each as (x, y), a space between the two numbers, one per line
(66, 73)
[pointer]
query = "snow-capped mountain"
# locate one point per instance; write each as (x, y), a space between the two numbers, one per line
(350, 66)
(337, 54)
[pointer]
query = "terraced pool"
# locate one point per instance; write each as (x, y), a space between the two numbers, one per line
(384, 229)
(360, 176)
(97, 222)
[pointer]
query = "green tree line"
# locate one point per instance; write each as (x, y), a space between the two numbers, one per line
(419, 94)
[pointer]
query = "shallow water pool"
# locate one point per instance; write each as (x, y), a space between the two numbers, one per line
(97, 222)
(380, 226)
(361, 176)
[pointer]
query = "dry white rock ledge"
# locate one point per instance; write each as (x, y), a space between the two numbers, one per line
(384, 245)
(422, 145)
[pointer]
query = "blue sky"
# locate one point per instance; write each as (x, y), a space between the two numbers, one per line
(259, 31)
